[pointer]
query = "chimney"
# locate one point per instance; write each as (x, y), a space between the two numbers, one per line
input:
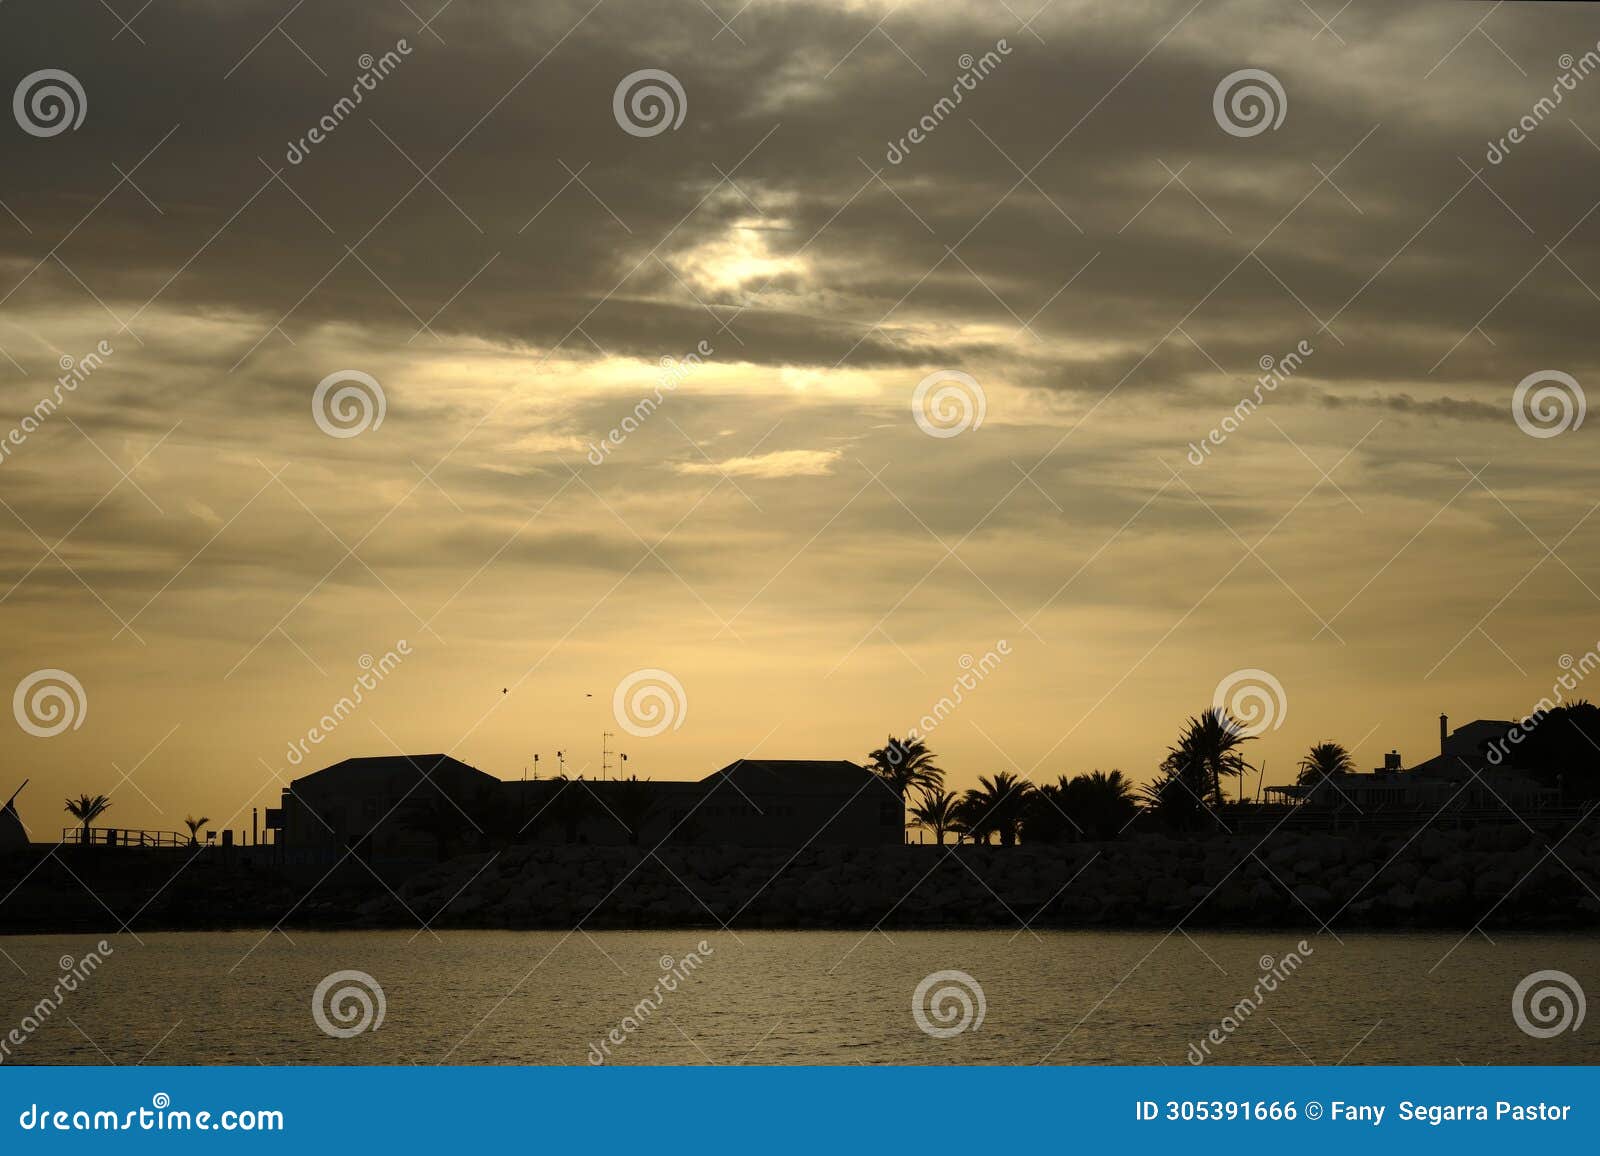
(1444, 731)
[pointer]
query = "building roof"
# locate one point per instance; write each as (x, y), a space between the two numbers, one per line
(438, 768)
(792, 776)
(1465, 750)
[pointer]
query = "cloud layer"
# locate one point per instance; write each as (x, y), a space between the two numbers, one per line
(750, 300)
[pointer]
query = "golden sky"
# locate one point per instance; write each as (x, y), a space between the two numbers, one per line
(1081, 236)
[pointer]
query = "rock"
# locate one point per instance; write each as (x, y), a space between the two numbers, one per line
(1399, 898)
(1319, 899)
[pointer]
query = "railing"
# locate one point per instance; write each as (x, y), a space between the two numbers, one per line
(125, 837)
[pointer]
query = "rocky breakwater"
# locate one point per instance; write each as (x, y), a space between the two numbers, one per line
(1432, 878)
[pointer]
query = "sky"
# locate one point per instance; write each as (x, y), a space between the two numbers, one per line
(969, 392)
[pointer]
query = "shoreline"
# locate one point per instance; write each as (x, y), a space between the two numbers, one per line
(1304, 931)
(1499, 877)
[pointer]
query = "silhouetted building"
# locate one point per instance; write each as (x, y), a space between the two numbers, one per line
(402, 808)
(1460, 778)
(789, 802)
(389, 807)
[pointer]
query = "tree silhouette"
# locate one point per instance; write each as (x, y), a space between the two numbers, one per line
(937, 810)
(1048, 819)
(1190, 785)
(1208, 752)
(1322, 760)
(1095, 806)
(1562, 750)
(86, 809)
(1104, 804)
(194, 826)
(995, 807)
(905, 765)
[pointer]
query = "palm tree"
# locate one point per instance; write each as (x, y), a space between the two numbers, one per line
(1101, 804)
(1095, 806)
(1191, 775)
(905, 765)
(938, 811)
(996, 805)
(1325, 759)
(194, 826)
(86, 809)
(1047, 820)
(1171, 803)
(1207, 752)
(1559, 752)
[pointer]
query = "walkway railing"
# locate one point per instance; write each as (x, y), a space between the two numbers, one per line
(124, 837)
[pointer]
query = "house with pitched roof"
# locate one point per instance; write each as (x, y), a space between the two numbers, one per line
(1461, 778)
(403, 808)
